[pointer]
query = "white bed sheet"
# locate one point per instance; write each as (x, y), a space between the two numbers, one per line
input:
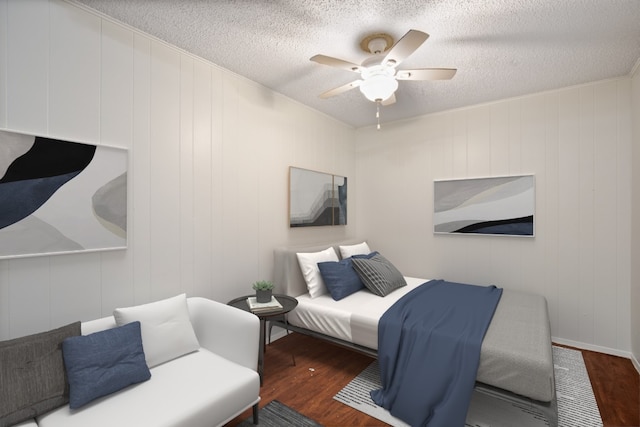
(334, 318)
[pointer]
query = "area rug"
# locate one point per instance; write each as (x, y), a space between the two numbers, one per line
(577, 405)
(276, 414)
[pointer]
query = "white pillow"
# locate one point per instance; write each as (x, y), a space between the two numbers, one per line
(165, 327)
(309, 267)
(351, 250)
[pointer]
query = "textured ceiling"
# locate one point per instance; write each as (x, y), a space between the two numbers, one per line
(501, 48)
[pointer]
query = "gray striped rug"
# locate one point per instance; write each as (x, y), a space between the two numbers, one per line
(276, 414)
(577, 405)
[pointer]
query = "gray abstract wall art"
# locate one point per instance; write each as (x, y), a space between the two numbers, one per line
(58, 196)
(316, 198)
(494, 206)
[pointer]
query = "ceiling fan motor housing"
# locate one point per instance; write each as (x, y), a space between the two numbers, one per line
(376, 43)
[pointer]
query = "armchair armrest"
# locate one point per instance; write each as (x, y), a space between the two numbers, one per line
(231, 333)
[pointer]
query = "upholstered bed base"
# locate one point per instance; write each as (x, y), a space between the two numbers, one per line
(516, 359)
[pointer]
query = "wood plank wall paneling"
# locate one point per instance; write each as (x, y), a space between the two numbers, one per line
(209, 154)
(27, 59)
(202, 179)
(138, 227)
(4, 29)
(74, 70)
(186, 182)
(625, 214)
(577, 142)
(29, 294)
(635, 208)
(4, 271)
(164, 178)
(116, 129)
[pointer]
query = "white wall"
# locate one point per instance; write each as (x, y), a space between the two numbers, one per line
(209, 154)
(635, 236)
(577, 142)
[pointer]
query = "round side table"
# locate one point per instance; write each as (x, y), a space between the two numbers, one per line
(288, 303)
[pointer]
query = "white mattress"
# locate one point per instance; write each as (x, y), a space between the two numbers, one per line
(516, 351)
(335, 318)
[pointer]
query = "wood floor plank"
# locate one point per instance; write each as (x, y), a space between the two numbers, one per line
(323, 369)
(616, 386)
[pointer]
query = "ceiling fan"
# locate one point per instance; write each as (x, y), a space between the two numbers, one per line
(378, 74)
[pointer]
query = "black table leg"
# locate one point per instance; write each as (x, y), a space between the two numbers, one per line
(263, 325)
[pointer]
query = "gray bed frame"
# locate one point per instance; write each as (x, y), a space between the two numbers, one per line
(288, 280)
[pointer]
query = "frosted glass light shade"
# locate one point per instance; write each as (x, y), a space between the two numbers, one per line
(378, 87)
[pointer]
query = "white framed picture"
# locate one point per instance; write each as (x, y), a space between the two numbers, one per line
(60, 197)
(316, 198)
(502, 206)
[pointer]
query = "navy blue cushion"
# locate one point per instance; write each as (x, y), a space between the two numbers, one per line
(366, 256)
(340, 277)
(104, 362)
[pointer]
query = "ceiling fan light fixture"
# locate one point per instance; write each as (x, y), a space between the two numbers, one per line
(378, 83)
(379, 88)
(379, 77)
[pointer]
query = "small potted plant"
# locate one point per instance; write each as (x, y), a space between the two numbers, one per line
(264, 290)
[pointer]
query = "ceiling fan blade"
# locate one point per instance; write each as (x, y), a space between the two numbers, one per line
(341, 89)
(426, 74)
(390, 100)
(405, 47)
(335, 62)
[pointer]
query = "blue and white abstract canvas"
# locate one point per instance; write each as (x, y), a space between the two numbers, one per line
(494, 206)
(59, 196)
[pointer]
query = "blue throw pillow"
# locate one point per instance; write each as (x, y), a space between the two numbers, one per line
(340, 277)
(103, 363)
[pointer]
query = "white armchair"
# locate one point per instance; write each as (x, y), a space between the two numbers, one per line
(208, 387)
(226, 331)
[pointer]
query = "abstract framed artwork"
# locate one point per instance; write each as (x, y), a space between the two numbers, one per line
(502, 206)
(316, 198)
(60, 197)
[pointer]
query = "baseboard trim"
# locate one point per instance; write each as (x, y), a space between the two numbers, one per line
(635, 363)
(277, 333)
(593, 347)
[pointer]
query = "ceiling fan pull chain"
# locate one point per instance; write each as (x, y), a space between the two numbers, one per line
(378, 113)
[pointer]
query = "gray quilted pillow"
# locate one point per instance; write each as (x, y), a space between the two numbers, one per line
(32, 375)
(378, 274)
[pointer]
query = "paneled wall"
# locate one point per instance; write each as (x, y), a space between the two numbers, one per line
(209, 154)
(208, 169)
(577, 143)
(635, 236)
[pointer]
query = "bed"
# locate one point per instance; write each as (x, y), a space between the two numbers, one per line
(516, 361)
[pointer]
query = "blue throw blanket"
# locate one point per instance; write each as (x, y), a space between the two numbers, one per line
(429, 351)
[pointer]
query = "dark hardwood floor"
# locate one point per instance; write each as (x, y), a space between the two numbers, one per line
(323, 369)
(616, 386)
